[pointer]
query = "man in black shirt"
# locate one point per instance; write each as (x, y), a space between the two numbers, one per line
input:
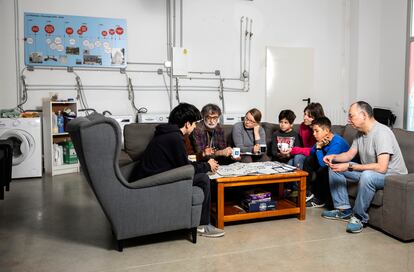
(167, 151)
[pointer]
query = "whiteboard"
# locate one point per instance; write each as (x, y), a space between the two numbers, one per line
(289, 80)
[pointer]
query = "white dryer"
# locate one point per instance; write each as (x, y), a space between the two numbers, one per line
(27, 145)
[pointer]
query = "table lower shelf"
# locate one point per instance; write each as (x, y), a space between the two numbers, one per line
(233, 213)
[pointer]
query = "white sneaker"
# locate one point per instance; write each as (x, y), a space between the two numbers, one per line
(210, 231)
(309, 197)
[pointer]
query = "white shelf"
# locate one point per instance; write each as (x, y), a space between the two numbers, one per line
(49, 138)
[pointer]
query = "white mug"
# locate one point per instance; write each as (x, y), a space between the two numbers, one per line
(283, 146)
(236, 152)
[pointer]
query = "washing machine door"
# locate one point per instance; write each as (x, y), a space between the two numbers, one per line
(23, 144)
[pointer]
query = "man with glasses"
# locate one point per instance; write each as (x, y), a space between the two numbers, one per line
(209, 135)
(380, 155)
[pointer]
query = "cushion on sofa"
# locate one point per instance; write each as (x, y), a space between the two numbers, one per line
(349, 133)
(353, 190)
(405, 140)
(136, 138)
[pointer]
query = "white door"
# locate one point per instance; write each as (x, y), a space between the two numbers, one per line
(289, 81)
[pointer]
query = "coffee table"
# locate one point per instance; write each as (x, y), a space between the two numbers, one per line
(225, 211)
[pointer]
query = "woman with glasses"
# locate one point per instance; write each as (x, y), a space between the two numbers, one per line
(209, 135)
(249, 136)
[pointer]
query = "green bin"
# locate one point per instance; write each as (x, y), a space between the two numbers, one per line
(69, 153)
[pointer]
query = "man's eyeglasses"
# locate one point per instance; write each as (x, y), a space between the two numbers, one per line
(211, 118)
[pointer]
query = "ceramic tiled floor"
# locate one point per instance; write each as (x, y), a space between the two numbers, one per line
(55, 224)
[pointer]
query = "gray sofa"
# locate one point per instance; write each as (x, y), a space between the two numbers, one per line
(163, 202)
(392, 209)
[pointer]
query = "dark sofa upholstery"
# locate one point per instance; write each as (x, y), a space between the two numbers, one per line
(164, 202)
(392, 209)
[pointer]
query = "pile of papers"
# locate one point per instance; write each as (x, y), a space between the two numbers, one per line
(254, 168)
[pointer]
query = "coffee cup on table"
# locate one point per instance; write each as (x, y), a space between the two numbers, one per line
(236, 152)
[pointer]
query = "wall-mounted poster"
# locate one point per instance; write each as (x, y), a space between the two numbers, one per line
(74, 41)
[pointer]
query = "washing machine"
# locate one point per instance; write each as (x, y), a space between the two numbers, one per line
(27, 145)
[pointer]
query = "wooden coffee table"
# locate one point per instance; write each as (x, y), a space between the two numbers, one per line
(225, 211)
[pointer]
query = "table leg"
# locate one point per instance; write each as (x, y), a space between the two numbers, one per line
(281, 190)
(220, 205)
(302, 198)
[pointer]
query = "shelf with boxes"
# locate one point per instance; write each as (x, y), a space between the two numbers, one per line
(59, 153)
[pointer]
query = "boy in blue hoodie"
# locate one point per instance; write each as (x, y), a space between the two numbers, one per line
(326, 143)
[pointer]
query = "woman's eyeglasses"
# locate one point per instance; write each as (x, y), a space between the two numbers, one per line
(247, 120)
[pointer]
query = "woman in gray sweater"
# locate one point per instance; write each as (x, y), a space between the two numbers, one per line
(249, 136)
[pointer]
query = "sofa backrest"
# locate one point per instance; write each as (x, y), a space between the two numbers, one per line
(136, 138)
(405, 139)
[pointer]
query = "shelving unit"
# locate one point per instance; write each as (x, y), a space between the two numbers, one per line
(50, 138)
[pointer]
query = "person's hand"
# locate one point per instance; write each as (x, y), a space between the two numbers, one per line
(213, 165)
(328, 160)
(236, 159)
(339, 167)
(227, 151)
(324, 142)
(208, 151)
(256, 148)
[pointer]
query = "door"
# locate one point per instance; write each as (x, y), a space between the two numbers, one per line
(289, 81)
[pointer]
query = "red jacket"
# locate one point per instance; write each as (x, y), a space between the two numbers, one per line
(306, 135)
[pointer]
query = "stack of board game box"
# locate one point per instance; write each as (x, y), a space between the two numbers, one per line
(258, 200)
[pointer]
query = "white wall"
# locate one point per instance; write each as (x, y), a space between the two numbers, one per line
(348, 62)
(8, 94)
(380, 44)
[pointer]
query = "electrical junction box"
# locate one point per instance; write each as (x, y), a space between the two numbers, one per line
(181, 61)
(232, 118)
(122, 121)
(153, 118)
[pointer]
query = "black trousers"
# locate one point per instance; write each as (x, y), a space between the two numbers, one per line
(317, 182)
(203, 181)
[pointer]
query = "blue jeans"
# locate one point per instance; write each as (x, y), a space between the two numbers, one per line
(368, 183)
(297, 161)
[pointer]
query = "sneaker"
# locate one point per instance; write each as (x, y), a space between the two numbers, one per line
(309, 196)
(315, 203)
(354, 225)
(210, 231)
(344, 215)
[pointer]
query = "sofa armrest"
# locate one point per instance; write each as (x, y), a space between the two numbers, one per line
(177, 174)
(398, 201)
(128, 170)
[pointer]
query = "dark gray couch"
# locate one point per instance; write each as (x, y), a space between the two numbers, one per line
(392, 209)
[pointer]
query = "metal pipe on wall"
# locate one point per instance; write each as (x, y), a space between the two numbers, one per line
(146, 63)
(245, 43)
(17, 51)
(241, 46)
(250, 47)
(170, 48)
(181, 23)
(173, 22)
